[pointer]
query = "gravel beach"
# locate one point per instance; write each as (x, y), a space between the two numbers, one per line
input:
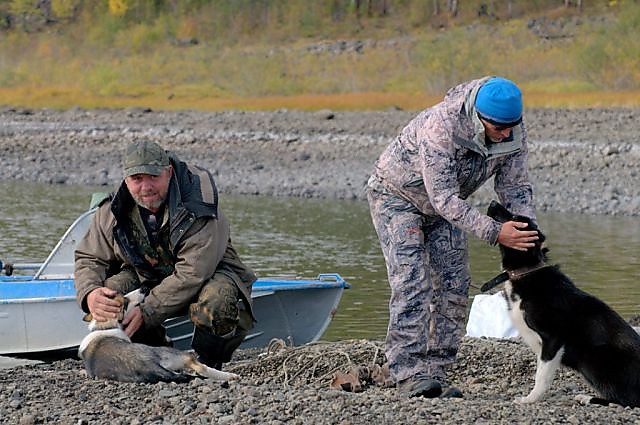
(291, 386)
(584, 161)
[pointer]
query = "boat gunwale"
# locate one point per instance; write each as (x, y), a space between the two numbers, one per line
(261, 287)
(37, 300)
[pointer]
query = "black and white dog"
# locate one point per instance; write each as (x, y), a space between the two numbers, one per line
(109, 353)
(565, 325)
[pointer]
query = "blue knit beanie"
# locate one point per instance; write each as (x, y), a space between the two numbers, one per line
(499, 101)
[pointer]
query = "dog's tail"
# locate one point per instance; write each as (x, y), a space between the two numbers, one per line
(586, 400)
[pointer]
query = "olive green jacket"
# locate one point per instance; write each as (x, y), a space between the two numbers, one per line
(199, 240)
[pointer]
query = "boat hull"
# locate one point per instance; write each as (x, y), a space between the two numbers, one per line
(42, 315)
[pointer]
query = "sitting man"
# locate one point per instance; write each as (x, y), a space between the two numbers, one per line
(162, 231)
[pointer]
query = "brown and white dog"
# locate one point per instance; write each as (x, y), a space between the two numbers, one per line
(109, 353)
(567, 326)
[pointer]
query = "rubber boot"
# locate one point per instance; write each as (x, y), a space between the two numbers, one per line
(155, 337)
(420, 386)
(213, 350)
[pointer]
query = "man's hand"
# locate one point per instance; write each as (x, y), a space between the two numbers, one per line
(101, 304)
(133, 321)
(510, 236)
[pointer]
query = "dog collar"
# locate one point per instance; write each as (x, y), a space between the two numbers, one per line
(511, 275)
(524, 271)
(502, 277)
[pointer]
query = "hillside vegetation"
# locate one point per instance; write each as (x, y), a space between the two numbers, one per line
(339, 54)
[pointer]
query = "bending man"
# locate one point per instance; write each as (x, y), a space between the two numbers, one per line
(417, 196)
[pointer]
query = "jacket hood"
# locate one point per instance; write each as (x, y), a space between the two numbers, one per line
(192, 188)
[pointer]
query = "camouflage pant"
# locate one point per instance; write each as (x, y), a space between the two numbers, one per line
(215, 310)
(427, 265)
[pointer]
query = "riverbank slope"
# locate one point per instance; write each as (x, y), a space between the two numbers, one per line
(582, 160)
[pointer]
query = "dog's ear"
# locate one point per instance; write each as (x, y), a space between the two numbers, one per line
(541, 237)
(532, 226)
(498, 212)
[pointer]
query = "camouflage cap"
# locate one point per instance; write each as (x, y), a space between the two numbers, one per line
(144, 158)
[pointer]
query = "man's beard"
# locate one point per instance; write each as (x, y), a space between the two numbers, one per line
(149, 205)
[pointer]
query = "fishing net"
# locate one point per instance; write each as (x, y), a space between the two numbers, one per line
(348, 364)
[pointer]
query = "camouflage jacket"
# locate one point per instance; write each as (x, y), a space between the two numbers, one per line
(440, 158)
(199, 241)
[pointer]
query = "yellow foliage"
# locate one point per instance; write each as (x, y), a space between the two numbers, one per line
(187, 28)
(178, 98)
(236, 63)
(63, 8)
(118, 7)
(45, 49)
(138, 38)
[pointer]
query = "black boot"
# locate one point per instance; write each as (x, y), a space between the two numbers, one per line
(213, 350)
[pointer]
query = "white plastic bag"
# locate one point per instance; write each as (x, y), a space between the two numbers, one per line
(489, 317)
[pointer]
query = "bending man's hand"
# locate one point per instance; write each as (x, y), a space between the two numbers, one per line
(133, 321)
(101, 304)
(510, 236)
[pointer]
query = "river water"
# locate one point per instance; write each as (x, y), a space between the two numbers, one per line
(302, 237)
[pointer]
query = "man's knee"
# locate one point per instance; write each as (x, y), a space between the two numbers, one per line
(448, 320)
(217, 307)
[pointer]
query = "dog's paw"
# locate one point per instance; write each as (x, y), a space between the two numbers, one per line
(587, 400)
(220, 376)
(583, 399)
(525, 400)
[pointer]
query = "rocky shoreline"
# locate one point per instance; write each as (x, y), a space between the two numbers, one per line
(292, 386)
(582, 161)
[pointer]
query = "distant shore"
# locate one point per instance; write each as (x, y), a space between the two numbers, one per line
(583, 161)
